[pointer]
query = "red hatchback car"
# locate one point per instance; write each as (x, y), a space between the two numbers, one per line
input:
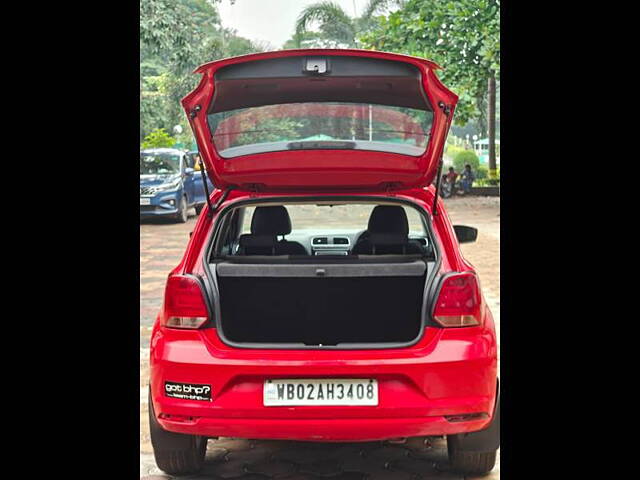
(323, 296)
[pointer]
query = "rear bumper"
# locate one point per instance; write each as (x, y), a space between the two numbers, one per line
(449, 372)
(321, 430)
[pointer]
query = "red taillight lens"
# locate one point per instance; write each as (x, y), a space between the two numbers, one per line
(458, 304)
(184, 304)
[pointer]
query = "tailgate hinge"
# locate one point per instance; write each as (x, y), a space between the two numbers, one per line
(253, 188)
(445, 108)
(194, 113)
(221, 200)
(223, 197)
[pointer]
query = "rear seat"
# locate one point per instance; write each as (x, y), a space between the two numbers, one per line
(266, 224)
(387, 233)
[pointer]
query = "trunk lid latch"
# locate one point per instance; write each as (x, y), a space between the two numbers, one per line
(315, 65)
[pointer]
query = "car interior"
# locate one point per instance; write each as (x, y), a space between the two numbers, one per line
(328, 275)
(271, 233)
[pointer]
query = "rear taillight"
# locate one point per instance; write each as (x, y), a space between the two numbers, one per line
(459, 301)
(184, 304)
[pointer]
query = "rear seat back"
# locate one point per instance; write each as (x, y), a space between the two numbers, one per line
(387, 233)
(266, 224)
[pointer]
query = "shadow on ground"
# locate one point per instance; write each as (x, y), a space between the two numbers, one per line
(416, 458)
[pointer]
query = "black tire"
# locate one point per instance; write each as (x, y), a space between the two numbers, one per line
(176, 453)
(199, 209)
(183, 215)
(473, 463)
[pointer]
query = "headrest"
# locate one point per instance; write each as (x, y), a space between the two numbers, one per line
(388, 219)
(270, 221)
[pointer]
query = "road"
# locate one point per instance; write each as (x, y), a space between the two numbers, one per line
(161, 247)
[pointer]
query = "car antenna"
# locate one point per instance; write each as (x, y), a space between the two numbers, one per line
(435, 198)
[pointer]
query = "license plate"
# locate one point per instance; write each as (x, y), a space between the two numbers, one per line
(145, 201)
(339, 391)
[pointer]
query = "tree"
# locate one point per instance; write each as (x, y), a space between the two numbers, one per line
(175, 37)
(336, 27)
(464, 37)
(158, 138)
(466, 157)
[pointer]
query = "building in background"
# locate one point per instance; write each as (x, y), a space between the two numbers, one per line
(481, 147)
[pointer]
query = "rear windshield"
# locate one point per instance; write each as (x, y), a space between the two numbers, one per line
(320, 125)
(327, 228)
(351, 218)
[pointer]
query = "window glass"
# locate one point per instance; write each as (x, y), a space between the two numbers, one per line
(314, 125)
(159, 163)
(347, 218)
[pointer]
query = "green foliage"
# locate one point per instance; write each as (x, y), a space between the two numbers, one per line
(271, 130)
(175, 37)
(158, 138)
(336, 29)
(466, 157)
(484, 180)
(453, 150)
(333, 22)
(462, 36)
(482, 172)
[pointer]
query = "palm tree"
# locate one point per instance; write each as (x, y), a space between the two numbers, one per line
(335, 25)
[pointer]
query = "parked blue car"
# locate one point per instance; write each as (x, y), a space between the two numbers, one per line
(170, 184)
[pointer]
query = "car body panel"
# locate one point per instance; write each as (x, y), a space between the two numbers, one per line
(357, 169)
(447, 372)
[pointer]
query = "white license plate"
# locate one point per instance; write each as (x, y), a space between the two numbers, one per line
(145, 201)
(320, 391)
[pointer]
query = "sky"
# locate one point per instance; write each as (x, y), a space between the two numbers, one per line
(272, 21)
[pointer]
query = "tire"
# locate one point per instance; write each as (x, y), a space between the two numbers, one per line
(176, 453)
(199, 209)
(182, 216)
(473, 463)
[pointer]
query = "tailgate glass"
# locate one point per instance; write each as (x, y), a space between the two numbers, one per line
(320, 125)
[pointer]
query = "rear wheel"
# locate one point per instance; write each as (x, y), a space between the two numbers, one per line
(176, 453)
(475, 453)
(182, 215)
(477, 463)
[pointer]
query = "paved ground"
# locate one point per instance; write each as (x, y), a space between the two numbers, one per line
(161, 247)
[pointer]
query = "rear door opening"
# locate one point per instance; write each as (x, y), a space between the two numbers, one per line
(321, 275)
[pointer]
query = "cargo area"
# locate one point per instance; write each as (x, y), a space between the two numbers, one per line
(322, 303)
(327, 273)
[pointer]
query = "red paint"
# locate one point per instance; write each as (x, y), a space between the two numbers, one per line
(358, 169)
(448, 372)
